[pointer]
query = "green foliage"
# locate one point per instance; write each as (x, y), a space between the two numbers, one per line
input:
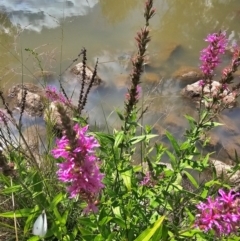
(144, 199)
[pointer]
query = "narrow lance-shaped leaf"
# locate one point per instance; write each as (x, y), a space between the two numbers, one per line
(147, 234)
(173, 142)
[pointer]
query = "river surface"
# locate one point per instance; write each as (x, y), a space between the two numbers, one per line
(57, 30)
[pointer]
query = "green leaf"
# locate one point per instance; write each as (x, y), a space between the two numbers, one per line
(56, 200)
(191, 179)
(213, 124)
(66, 238)
(104, 136)
(191, 233)
(149, 232)
(172, 159)
(158, 234)
(34, 238)
(190, 215)
(84, 231)
(57, 214)
(120, 222)
(5, 179)
(204, 193)
(30, 218)
(86, 222)
(105, 220)
(173, 142)
(190, 119)
(138, 139)
(120, 115)
(126, 176)
(116, 211)
(12, 189)
(64, 217)
(87, 237)
(99, 238)
(118, 139)
(25, 212)
(204, 114)
(185, 145)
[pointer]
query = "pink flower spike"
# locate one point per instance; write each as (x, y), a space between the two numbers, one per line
(227, 198)
(222, 214)
(201, 83)
(91, 207)
(53, 95)
(210, 55)
(146, 179)
(80, 166)
(138, 93)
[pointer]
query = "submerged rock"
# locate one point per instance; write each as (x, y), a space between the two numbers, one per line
(151, 78)
(51, 114)
(194, 91)
(46, 75)
(225, 149)
(164, 55)
(122, 80)
(188, 75)
(34, 100)
(225, 172)
(174, 122)
(34, 137)
(77, 70)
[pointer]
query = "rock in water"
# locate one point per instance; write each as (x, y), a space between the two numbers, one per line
(78, 71)
(34, 104)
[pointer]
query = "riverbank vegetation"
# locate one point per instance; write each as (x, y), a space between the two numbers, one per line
(94, 185)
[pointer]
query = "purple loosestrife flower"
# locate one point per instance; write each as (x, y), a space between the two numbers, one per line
(138, 93)
(3, 117)
(221, 214)
(210, 56)
(201, 83)
(80, 167)
(146, 180)
(53, 95)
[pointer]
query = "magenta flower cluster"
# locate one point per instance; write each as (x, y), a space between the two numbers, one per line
(146, 180)
(221, 214)
(210, 56)
(53, 95)
(80, 167)
(3, 117)
(138, 93)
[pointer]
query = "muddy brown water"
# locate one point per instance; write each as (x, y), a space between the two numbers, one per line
(58, 30)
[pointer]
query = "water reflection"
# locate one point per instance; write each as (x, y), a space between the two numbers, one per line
(190, 21)
(35, 15)
(116, 11)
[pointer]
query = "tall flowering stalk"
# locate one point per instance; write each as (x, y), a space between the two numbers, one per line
(222, 96)
(80, 166)
(142, 40)
(222, 214)
(227, 73)
(53, 95)
(210, 56)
